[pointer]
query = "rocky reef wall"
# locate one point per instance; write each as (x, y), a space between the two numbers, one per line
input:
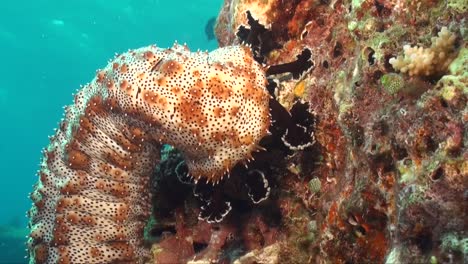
(385, 181)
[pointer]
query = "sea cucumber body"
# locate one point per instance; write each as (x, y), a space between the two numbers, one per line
(92, 200)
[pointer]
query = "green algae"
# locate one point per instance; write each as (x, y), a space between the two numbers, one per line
(417, 195)
(407, 171)
(453, 242)
(357, 3)
(315, 185)
(392, 82)
(458, 5)
(459, 66)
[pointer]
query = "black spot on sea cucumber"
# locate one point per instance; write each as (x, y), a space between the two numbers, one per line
(157, 65)
(138, 92)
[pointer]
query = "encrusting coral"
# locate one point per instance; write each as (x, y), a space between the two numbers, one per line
(419, 61)
(92, 201)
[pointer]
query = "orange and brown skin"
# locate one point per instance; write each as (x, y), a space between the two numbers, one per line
(92, 200)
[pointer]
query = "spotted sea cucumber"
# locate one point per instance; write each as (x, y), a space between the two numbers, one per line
(92, 200)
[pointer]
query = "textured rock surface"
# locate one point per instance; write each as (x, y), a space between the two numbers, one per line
(391, 148)
(386, 179)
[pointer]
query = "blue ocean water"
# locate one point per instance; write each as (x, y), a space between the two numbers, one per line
(48, 48)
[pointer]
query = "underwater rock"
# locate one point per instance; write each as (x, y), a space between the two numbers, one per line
(390, 154)
(267, 255)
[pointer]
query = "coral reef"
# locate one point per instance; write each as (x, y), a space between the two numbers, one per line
(385, 181)
(364, 159)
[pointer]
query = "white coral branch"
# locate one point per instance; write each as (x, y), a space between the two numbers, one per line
(419, 61)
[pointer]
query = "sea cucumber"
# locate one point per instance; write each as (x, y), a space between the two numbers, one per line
(92, 200)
